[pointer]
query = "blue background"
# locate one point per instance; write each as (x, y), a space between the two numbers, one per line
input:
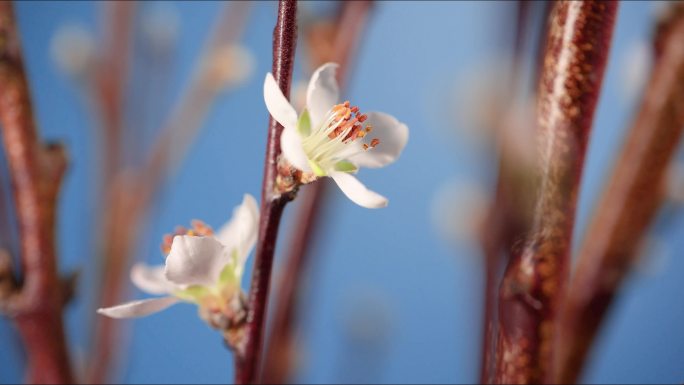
(391, 301)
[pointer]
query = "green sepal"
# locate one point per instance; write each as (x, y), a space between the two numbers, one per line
(316, 168)
(304, 123)
(193, 293)
(345, 166)
(228, 275)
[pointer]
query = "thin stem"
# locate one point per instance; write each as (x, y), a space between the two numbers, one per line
(628, 205)
(247, 358)
(109, 84)
(36, 172)
(500, 221)
(278, 362)
(133, 196)
(533, 284)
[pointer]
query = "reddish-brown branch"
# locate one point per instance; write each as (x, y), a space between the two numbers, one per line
(574, 62)
(278, 358)
(185, 120)
(501, 221)
(36, 172)
(628, 205)
(247, 357)
(132, 191)
(109, 85)
(111, 80)
(280, 352)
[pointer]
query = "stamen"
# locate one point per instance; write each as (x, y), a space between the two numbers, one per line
(343, 124)
(199, 228)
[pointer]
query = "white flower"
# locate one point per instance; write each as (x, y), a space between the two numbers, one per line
(204, 269)
(73, 49)
(335, 140)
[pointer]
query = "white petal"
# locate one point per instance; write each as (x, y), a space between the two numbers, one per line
(393, 136)
(151, 279)
(195, 260)
(277, 103)
(293, 151)
(357, 192)
(140, 308)
(240, 232)
(322, 93)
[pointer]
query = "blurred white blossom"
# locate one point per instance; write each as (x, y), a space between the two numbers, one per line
(227, 66)
(459, 209)
(637, 62)
(73, 50)
(160, 26)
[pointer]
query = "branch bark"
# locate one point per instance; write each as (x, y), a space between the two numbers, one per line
(507, 217)
(278, 363)
(627, 207)
(247, 357)
(133, 194)
(574, 62)
(36, 171)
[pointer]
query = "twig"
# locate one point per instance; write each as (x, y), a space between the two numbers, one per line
(279, 352)
(36, 172)
(576, 52)
(628, 205)
(247, 357)
(111, 80)
(133, 193)
(502, 225)
(109, 84)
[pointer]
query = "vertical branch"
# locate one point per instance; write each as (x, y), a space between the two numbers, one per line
(36, 172)
(280, 349)
(501, 221)
(574, 62)
(111, 80)
(627, 207)
(248, 355)
(134, 194)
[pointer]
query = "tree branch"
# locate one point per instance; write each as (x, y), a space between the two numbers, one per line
(576, 53)
(36, 172)
(133, 195)
(278, 362)
(628, 205)
(507, 218)
(247, 357)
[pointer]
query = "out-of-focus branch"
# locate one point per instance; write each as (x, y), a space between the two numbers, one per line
(185, 120)
(278, 362)
(248, 354)
(628, 205)
(574, 62)
(503, 222)
(36, 173)
(132, 191)
(111, 78)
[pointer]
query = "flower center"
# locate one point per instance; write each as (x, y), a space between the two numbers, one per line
(199, 228)
(341, 136)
